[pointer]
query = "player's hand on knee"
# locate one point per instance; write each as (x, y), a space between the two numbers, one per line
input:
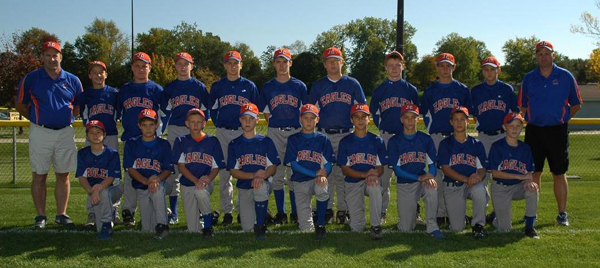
(473, 179)
(430, 183)
(321, 181)
(425, 177)
(322, 173)
(530, 186)
(257, 183)
(202, 182)
(260, 174)
(526, 177)
(95, 197)
(372, 180)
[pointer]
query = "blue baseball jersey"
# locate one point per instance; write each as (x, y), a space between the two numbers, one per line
(148, 158)
(133, 98)
(102, 105)
(412, 155)
(199, 157)
(283, 101)
(181, 96)
(96, 168)
(251, 155)
(51, 101)
(334, 100)
(312, 153)
(491, 104)
(361, 154)
(549, 100)
(439, 100)
(387, 101)
(227, 98)
(464, 158)
(509, 159)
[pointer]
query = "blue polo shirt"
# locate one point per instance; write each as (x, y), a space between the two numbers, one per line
(549, 100)
(51, 100)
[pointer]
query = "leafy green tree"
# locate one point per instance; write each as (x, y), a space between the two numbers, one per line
(163, 70)
(520, 58)
(423, 73)
(591, 25)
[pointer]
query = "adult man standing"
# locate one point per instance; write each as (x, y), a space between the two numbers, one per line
(48, 97)
(549, 97)
(334, 95)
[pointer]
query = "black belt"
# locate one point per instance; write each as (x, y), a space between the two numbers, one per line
(231, 128)
(446, 134)
(493, 133)
(334, 130)
(287, 128)
(455, 183)
(53, 128)
(387, 132)
(503, 183)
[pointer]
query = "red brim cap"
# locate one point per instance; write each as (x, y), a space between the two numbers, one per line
(282, 53)
(249, 109)
(99, 63)
(52, 45)
(94, 123)
(410, 108)
(148, 113)
(491, 61)
(359, 107)
(309, 108)
(460, 109)
(332, 52)
(446, 57)
(232, 55)
(194, 111)
(394, 54)
(513, 116)
(185, 56)
(142, 56)
(544, 44)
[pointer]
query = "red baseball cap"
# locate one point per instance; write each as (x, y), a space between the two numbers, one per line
(283, 53)
(249, 109)
(446, 57)
(394, 54)
(460, 109)
(360, 107)
(491, 61)
(544, 44)
(332, 52)
(309, 108)
(185, 56)
(99, 63)
(94, 123)
(194, 111)
(410, 108)
(141, 56)
(52, 44)
(148, 113)
(232, 55)
(513, 116)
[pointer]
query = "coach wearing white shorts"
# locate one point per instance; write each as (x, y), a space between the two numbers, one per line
(46, 97)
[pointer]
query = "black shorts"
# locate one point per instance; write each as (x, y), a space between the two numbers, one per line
(552, 143)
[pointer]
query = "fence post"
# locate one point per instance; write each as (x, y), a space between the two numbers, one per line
(14, 130)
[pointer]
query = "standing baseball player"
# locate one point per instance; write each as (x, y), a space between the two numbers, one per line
(511, 163)
(199, 157)
(135, 96)
(362, 155)
(98, 166)
(147, 159)
(334, 95)
(227, 97)
(280, 101)
(252, 160)
(310, 155)
(410, 152)
(386, 104)
(463, 161)
(181, 95)
(549, 97)
(48, 97)
(100, 103)
(438, 101)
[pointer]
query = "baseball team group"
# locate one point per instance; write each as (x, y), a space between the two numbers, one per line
(317, 143)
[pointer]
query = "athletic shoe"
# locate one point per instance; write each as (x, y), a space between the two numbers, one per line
(294, 218)
(441, 221)
(437, 234)
(468, 220)
(227, 219)
(269, 219)
(260, 231)
(376, 232)
(116, 219)
(40, 222)
(489, 219)
(162, 230)
(562, 219)
(173, 220)
(215, 217)
(106, 232)
(530, 232)
(128, 218)
(328, 216)
(91, 220)
(208, 233)
(342, 217)
(320, 232)
(64, 220)
(383, 217)
(478, 231)
(419, 220)
(280, 218)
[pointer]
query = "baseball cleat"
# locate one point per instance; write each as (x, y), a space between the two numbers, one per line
(329, 216)
(128, 218)
(215, 217)
(489, 219)
(562, 219)
(468, 220)
(91, 220)
(208, 232)
(383, 217)
(227, 219)
(64, 220)
(376, 233)
(162, 230)
(478, 231)
(294, 218)
(116, 219)
(437, 234)
(173, 220)
(40, 222)
(260, 231)
(106, 232)
(269, 219)
(342, 217)
(320, 232)
(280, 218)
(530, 232)
(419, 220)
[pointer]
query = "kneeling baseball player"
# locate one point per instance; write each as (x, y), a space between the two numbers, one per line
(147, 159)
(511, 163)
(311, 157)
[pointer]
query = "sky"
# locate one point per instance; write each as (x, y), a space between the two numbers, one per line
(260, 23)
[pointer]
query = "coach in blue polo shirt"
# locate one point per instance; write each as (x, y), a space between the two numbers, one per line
(46, 97)
(549, 97)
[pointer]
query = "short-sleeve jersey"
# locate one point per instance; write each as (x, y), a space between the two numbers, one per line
(283, 101)
(148, 158)
(465, 158)
(181, 96)
(251, 155)
(509, 159)
(96, 168)
(491, 104)
(133, 98)
(199, 157)
(312, 153)
(335, 99)
(102, 105)
(439, 100)
(387, 102)
(227, 97)
(361, 154)
(412, 155)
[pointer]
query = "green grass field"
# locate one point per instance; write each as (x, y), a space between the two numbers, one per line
(574, 246)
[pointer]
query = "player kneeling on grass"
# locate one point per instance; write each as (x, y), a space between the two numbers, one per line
(199, 158)
(463, 161)
(311, 157)
(511, 163)
(409, 153)
(252, 159)
(147, 159)
(361, 156)
(97, 167)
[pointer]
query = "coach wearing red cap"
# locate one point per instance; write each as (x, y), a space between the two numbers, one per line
(46, 97)
(549, 97)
